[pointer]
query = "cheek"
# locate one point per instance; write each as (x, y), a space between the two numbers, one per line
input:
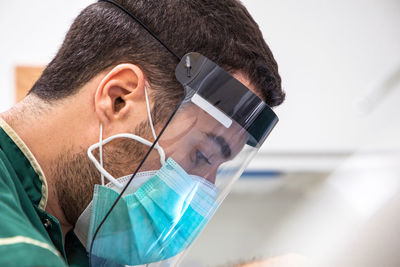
(211, 175)
(180, 152)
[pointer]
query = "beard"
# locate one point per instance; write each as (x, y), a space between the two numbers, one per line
(75, 175)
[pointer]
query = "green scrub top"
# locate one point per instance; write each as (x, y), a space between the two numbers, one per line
(29, 236)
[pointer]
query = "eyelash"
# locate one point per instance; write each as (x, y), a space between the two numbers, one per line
(200, 156)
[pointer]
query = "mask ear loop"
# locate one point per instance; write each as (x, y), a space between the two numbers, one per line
(101, 152)
(157, 146)
(109, 139)
(99, 165)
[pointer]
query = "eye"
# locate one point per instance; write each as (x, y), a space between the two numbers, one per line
(200, 156)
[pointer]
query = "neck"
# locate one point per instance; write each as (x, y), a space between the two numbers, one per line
(37, 123)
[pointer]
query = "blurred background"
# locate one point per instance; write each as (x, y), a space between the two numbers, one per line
(325, 188)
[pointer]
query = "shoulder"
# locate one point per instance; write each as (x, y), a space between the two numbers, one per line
(21, 250)
(21, 244)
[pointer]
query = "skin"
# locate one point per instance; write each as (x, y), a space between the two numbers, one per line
(191, 140)
(58, 134)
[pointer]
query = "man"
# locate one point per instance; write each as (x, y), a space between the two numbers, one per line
(112, 76)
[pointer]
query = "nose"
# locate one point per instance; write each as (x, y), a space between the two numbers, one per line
(211, 176)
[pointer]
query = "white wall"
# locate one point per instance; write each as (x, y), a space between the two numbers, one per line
(331, 54)
(31, 32)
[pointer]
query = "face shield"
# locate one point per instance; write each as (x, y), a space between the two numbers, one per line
(154, 215)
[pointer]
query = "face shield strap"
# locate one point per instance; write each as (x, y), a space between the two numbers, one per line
(143, 26)
(245, 108)
(222, 96)
(155, 143)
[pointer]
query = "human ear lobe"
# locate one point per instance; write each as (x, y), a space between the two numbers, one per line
(120, 87)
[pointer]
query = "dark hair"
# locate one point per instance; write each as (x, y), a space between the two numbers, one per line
(103, 36)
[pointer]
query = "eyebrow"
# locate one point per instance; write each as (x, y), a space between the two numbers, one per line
(224, 146)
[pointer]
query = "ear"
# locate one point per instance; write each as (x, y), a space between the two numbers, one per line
(119, 94)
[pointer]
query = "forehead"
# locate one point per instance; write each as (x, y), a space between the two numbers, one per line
(194, 123)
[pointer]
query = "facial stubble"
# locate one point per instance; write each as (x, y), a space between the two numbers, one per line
(76, 175)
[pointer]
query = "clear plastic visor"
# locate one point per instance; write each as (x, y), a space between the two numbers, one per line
(166, 205)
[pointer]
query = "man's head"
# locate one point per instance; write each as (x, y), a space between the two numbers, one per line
(102, 36)
(107, 59)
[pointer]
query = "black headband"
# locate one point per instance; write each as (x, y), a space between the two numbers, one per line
(143, 25)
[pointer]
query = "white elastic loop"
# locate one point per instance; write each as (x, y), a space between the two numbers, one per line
(109, 139)
(161, 151)
(102, 142)
(101, 151)
(149, 113)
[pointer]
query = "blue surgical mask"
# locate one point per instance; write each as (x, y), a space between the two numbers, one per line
(154, 223)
